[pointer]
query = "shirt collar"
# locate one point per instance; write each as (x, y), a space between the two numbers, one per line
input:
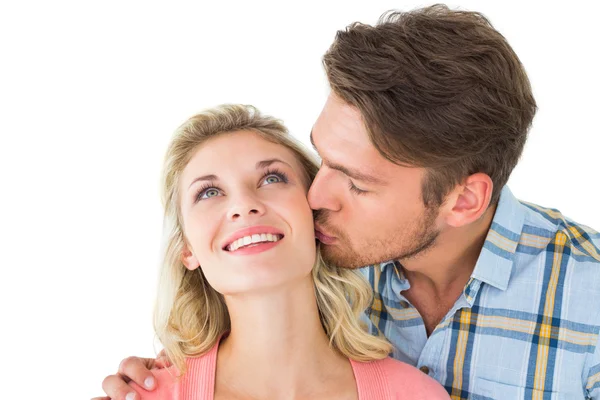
(393, 264)
(495, 263)
(399, 283)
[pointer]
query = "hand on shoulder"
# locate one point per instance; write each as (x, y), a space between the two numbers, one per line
(165, 380)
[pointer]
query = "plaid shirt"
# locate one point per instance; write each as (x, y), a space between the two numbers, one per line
(527, 324)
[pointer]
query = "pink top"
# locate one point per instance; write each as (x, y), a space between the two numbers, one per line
(375, 380)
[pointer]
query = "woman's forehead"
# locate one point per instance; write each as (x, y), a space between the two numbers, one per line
(241, 148)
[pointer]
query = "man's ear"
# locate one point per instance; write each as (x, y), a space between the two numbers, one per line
(469, 200)
(188, 258)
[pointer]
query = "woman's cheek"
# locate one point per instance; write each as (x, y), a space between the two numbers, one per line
(201, 232)
(303, 214)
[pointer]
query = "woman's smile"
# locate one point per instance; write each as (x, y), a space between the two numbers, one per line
(253, 240)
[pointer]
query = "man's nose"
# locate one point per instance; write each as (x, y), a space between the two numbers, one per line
(322, 193)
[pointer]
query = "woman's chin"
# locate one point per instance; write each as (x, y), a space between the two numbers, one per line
(267, 282)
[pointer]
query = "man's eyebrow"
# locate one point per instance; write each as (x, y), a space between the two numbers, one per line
(204, 178)
(351, 172)
(354, 173)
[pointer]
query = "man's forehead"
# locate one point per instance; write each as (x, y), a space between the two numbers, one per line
(366, 164)
(340, 117)
(336, 132)
(342, 140)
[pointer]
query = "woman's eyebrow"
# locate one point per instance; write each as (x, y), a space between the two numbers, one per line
(259, 165)
(204, 178)
(266, 163)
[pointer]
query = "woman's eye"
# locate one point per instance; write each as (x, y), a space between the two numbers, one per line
(272, 179)
(211, 193)
(208, 193)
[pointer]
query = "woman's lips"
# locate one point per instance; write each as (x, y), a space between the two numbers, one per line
(249, 231)
(255, 248)
(323, 238)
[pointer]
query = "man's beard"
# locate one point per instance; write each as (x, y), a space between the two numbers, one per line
(405, 243)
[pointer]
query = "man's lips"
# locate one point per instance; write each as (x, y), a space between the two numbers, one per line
(323, 238)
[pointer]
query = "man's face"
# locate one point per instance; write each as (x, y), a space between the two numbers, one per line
(368, 209)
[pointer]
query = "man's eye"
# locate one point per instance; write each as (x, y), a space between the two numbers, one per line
(356, 190)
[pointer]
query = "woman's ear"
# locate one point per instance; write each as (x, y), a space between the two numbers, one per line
(189, 259)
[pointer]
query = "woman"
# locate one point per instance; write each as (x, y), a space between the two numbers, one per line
(246, 308)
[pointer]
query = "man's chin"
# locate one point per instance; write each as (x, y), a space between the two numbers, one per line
(348, 257)
(342, 257)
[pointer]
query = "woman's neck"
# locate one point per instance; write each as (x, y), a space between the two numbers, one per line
(276, 345)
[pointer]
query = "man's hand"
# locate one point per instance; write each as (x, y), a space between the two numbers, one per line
(132, 369)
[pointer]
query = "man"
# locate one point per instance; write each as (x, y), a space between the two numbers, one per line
(492, 297)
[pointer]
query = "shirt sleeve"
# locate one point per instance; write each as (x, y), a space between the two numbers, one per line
(592, 383)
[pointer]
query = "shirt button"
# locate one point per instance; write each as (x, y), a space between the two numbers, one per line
(404, 304)
(425, 369)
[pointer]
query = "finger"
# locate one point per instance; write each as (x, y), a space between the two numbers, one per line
(116, 389)
(138, 370)
(162, 361)
(101, 398)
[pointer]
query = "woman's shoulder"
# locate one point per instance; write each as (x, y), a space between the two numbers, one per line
(197, 383)
(165, 385)
(404, 381)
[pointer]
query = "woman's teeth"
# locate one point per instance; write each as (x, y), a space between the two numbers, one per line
(256, 238)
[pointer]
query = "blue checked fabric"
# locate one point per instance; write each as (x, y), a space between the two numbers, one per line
(527, 324)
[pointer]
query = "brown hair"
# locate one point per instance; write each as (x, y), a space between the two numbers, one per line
(437, 88)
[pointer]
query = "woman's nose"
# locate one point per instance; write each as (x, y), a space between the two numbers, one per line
(245, 206)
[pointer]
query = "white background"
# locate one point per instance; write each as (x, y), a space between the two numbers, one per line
(90, 93)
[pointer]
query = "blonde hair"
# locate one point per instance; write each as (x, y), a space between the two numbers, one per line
(190, 316)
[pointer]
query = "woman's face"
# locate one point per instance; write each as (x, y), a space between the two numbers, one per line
(246, 219)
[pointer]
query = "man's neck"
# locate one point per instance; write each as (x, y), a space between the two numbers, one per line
(453, 258)
(276, 344)
(438, 277)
